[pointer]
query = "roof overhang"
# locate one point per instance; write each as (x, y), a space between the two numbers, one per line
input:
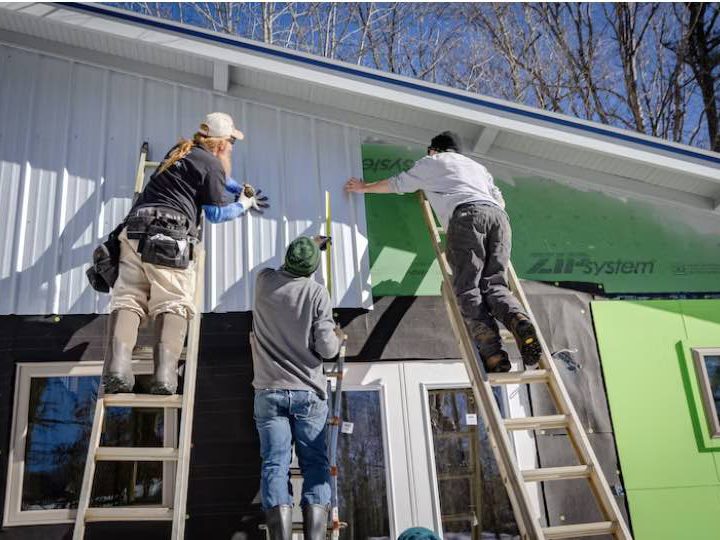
(397, 107)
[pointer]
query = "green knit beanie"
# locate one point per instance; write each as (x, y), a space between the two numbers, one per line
(302, 257)
(418, 533)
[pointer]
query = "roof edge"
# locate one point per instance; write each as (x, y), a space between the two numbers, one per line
(402, 82)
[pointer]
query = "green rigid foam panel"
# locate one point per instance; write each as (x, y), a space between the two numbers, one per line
(652, 411)
(676, 513)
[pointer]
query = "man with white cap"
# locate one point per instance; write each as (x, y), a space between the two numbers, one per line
(156, 275)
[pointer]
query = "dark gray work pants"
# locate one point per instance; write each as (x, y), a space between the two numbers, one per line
(478, 250)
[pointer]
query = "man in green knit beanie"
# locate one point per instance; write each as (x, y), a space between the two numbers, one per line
(294, 332)
(418, 533)
(302, 257)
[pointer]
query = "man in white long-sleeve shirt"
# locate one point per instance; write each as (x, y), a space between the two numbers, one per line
(470, 208)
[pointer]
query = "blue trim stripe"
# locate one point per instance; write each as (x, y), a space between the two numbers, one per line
(379, 77)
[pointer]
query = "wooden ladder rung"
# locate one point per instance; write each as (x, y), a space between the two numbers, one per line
(519, 377)
(152, 164)
(580, 530)
(129, 513)
(143, 400)
(298, 527)
(545, 474)
(109, 453)
(146, 353)
(536, 422)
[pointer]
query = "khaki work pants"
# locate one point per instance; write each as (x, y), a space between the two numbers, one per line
(148, 289)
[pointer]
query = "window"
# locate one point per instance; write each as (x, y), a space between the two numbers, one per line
(707, 367)
(473, 500)
(362, 486)
(54, 406)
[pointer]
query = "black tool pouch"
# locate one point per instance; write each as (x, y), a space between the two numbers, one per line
(106, 263)
(162, 250)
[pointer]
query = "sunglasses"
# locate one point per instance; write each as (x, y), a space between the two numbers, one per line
(231, 140)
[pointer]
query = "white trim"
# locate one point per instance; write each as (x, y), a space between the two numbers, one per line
(486, 139)
(377, 378)
(13, 515)
(221, 76)
(712, 414)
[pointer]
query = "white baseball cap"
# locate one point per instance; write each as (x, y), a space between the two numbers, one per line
(219, 124)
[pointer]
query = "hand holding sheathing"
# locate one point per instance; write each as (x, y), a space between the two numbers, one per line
(252, 199)
(354, 185)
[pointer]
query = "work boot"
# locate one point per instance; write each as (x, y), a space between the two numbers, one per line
(497, 363)
(279, 522)
(526, 337)
(315, 521)
(122, 330)
(170, 330)
(489, 345)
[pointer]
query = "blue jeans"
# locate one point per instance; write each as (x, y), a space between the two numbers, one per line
(284, 417)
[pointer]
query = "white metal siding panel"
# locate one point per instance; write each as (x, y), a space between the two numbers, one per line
(43, 185)
(67, 176)
(16, 98)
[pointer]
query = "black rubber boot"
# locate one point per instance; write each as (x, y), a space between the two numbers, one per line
(170, 330)
(498, 363)
(279, 522)
(315, 521)
(489, 345)
(526, 336)
(122, 330)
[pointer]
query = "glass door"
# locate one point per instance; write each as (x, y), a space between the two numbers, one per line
(458, 489)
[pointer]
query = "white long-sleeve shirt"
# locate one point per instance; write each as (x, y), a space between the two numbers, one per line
(448, 180)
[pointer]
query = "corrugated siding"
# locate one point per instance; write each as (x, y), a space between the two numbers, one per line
(68, 152)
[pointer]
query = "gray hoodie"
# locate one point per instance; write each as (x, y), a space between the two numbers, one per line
(293, 328)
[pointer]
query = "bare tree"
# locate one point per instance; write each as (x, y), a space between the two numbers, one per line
(649, 67)
(699, 46)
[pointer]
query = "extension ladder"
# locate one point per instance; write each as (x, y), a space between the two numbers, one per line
(178, 456)
(499, 428)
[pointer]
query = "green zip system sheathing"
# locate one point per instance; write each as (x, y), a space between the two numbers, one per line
(671, 469)
(561, 233)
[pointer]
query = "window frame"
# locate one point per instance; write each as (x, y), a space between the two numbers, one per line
(712, 414)
(382, 378)
(13, 515)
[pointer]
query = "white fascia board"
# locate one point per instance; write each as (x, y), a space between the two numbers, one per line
(383, 90)
(596, 180)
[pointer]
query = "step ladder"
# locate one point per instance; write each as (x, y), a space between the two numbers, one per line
(498, 428)
(178, 456)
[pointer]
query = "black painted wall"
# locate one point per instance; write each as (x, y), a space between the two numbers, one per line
(225, 464)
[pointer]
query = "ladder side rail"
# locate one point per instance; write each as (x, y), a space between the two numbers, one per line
(89, 472)
(98, 417)
(334, 434)
(140, 174)
(186, 420)
(576, 432)
(500, 442)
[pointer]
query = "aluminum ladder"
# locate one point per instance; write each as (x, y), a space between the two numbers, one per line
(498, 428)
(180, 455)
